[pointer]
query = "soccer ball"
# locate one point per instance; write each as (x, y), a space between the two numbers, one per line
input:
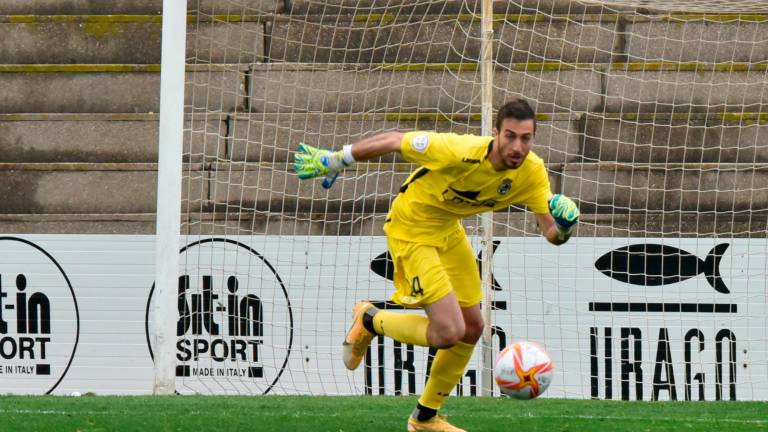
(523, 370)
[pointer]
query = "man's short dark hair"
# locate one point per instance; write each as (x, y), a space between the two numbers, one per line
(518, 110)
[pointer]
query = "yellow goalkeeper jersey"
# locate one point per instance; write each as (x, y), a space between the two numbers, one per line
(455, 180)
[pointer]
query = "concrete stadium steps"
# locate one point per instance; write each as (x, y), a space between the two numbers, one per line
(124, 39)
(518, 38)
(703, 38)
(506, 224)
(273, 137)
(620, 188)
(80, 188)
(120, 88)
(555, 87)
(43, 188)
(104, 138)
(402, 87)
(102, 188)
(561, 137)
(113, 73)
(669, 138)
(296, 7)
(141, 7)
(441, 38)
(644, 224)
(114, 223)
(367, 188)
(515, 224)
(405, 7)
(617, 87)
(386, 38)
(601, 188)
(272, 188)
(681, 87)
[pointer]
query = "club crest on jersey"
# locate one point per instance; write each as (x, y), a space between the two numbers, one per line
(504, 187)
(420, 143)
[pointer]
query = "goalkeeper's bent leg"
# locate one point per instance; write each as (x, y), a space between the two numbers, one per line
(447, 370)
(406, 328)
(442, 329)
(449, 365)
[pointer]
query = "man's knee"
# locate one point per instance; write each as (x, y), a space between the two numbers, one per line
(473, 331)
(446, 335)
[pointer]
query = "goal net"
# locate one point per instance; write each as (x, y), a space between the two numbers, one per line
(650, 115)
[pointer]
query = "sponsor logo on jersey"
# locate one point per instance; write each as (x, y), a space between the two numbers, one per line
(451, 195)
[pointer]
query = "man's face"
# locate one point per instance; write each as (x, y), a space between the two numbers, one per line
(514, 141)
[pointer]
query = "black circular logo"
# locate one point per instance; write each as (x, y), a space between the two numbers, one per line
(39, 319)
(235, 322)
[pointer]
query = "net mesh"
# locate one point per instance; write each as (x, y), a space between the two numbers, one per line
(650, 115)
(689, 5)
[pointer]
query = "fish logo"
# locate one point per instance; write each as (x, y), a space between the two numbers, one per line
(655, 264)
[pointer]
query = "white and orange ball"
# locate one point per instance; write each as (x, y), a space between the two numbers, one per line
(523, 370)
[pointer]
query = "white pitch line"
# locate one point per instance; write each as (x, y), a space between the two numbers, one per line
(194, 413)
(670, 419)
(52, 412)
(325, 415)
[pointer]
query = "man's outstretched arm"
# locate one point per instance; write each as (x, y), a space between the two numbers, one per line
(377, 145)
(558, 224)
(311, 162)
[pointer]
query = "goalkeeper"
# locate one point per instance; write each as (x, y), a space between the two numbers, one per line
(458, 176)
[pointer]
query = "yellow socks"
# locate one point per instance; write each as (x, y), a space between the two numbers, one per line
(407, 328)
(449, 364)
(447, 370)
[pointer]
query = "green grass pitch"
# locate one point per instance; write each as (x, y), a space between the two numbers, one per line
(366, 413)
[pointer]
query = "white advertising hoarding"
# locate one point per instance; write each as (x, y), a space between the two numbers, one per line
(623, 318)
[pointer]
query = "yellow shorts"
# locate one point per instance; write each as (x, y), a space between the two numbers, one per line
(426, 273)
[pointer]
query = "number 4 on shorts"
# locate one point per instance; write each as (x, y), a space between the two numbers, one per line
(416, 289)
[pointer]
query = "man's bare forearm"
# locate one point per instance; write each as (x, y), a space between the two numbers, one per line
(377, 145)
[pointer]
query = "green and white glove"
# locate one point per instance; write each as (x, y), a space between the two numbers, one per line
(565, 212)
(310, 162)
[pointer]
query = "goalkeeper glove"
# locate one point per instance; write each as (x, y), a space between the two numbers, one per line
(565, 212)
(310, 162)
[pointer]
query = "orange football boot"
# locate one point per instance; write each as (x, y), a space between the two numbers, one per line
(358, 337)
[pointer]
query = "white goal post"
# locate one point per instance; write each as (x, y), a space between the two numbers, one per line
(650, 114)
(169, 192)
